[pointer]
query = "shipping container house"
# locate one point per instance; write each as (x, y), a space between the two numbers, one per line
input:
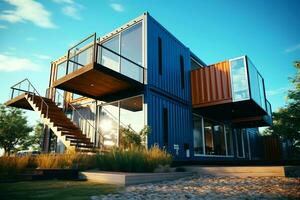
(141, 75)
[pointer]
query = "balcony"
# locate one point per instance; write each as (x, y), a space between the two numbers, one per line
(96, 71)
(231, 90)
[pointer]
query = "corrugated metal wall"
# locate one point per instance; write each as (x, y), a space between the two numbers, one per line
(172, 49)
(165, 90)
(179, 123)
(211, 85)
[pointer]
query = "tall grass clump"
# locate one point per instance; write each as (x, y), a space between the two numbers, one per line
(10, 166)
(133, 160)
(68, 160)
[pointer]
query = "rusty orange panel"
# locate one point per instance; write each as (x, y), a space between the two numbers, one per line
(211, 85)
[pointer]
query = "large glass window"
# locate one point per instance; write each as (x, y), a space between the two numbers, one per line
(208, 134)
(229, 140)
(213, 140)
(239, 80)
(109, 124)
(219, 139)
(131, 43)
(254, 87)
(198, 136)
(131, 113)
(110, 59)
(118, 116)
(239, 135)
(262, 92)
(128, 44)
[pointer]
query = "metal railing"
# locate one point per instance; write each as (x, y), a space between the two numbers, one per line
(19, 89)
(83, 123)
(93, 52)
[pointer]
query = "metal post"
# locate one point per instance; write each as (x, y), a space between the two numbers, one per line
(96, 124)
(12, 93)
(94, 51)
(68, 62)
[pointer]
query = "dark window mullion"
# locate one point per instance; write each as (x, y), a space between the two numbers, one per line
(159, 56)
(182, 72)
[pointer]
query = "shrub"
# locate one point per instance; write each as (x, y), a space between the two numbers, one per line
(133, 160)
(10, 166)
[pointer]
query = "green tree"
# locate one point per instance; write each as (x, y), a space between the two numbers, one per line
(14, 129)
(286, 121)
(34, 140)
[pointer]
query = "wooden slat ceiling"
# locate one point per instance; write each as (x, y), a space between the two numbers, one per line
(95, 83)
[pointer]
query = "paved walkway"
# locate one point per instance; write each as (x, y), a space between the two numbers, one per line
(214, 188)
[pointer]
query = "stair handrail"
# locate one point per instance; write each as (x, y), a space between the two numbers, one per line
(34, 92)
(79, 114)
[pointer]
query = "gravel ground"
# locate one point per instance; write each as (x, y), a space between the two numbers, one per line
(213, 188)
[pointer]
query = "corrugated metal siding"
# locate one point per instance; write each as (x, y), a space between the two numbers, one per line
(169, 81)
(179, 123)
(211, 85)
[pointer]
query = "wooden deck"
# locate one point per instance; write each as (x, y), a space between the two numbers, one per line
(97, 82)
(19, 102)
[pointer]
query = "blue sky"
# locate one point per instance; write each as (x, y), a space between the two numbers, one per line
(34, 33)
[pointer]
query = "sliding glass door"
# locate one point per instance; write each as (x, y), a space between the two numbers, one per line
(211, 138)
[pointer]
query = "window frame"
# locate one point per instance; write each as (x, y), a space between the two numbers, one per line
(182, 77)
(160, 52)
(203, 140)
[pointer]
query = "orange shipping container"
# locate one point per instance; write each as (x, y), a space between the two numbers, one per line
(211, 85)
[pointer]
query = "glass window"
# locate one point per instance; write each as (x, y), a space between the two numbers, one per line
(198, 136)
(214, 138)
(131, 70)
(262, 92)
(117, 116)
(109, 59)
(229, 140)
(209, 146)
(254, 87)
(61, 69)
(131, 113)
(131, 43)
(239, 80)
(109, 124)
(219, 139)
(239, 142)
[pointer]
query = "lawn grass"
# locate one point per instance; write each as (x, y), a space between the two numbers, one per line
(62, 190)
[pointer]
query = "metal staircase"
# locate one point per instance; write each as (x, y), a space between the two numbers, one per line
(53, 116)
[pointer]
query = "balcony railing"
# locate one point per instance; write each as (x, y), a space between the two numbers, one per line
(90, 51)
(269, 109)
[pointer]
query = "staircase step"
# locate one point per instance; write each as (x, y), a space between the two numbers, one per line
(83, 146)
(75, 137)
(63, 124)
